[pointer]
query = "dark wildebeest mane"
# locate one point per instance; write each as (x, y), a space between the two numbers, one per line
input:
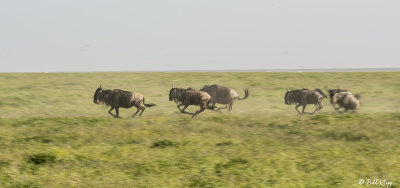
(293, 95)
(103, 96)
(190, 96)
(178, 95)
(119, 98)
(303, 97)
(223, 95)
(332, 92)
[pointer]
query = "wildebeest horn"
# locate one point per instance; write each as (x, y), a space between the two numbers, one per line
(172, 85)
(287, 89)
(100, 86)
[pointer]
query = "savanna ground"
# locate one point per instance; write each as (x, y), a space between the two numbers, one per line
(53, 135)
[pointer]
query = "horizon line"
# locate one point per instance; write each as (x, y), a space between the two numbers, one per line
(236, 70)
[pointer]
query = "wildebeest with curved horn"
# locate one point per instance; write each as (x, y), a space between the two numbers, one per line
(190, 96)
(344, 99)
(223, 95)
(118, 98)
(302, 97)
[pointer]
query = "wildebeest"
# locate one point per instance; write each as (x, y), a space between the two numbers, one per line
(118, 98)
(344, 99)
(302, 97)
(190, 96)
(223, 95)
(332, 92)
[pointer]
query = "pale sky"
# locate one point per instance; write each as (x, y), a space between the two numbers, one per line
(164, 35)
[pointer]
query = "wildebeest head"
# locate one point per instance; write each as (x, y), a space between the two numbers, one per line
(332, 92)
(291, 95)
(96, 95)
(286, 96)
(357, 96)
(172, 93)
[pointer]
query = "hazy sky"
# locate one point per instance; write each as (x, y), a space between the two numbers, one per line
(119, 35)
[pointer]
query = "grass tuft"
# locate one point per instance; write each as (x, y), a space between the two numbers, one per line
(225, 143)
(41, 158)
(163, 144)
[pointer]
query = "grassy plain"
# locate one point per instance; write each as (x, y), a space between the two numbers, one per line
(53, 135)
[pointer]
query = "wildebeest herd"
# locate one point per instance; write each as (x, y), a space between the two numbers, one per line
(208, 96)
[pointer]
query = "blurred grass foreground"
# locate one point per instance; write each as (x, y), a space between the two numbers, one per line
(53, 135)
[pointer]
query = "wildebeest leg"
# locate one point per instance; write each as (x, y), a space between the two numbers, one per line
(213, 106)
(183, 110)
(202, 108)
(179, 106)
(226, 106)
(143, 108)
(297, 106)
(112, 108)
(337, 109)
(117, 111)
(304, 108)
(138, 109)
(316, 106)
(230, 106)
(198, 111)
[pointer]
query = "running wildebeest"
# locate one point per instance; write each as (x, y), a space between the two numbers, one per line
(190, 96)
(302, 97)
(344, 99)
(223, 95)
(118, 98)
(332, 92)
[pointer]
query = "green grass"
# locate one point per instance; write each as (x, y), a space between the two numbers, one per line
(53, 135)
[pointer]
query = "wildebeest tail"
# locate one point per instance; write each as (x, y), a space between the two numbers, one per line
(148, 105)
(246, 94)
(321, 92)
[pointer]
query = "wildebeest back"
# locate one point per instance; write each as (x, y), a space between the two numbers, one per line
(196, 97)
(220, 94)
